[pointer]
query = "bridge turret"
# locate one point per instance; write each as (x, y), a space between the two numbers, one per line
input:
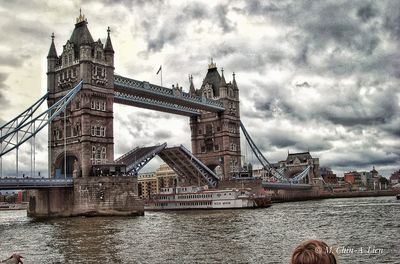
(52, 59)
(216, 137)
(223, 89)
(109, 50)
(85, 137)
(192, 90)
(235, 87)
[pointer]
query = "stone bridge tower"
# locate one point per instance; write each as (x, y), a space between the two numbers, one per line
(84, 136)
(216, 136)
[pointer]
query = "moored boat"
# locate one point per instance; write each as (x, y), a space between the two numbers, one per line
(13, 206)
(192, 197)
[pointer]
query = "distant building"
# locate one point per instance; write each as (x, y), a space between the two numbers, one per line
(328, 175)
(151, 183)
(147, 184)
(367, 179)
(166, 177)
(395, 177)
(353, 178)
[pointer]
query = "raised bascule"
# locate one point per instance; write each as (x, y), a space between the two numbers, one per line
(85, 178)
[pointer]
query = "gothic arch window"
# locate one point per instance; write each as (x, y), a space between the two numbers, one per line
(98, 130)
(93, 153)
(103, 153)
(98, 153)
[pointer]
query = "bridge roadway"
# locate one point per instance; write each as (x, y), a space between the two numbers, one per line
(40, 183)
(34, 183)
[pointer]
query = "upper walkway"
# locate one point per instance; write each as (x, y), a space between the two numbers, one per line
(171, 100)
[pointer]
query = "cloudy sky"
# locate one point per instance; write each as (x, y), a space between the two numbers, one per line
(313, 75)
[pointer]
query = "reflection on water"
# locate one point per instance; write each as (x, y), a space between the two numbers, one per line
(228, 236)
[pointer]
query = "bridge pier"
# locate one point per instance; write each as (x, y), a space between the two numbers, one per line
(92, 196)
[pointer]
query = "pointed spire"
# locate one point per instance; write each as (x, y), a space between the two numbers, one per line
(235, 87)
(52, 50)
(81, 17)
(108, 48)
(222, 82)
(192, 91)
(212, 65)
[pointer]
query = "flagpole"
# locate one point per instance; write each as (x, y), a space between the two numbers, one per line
(161, 75)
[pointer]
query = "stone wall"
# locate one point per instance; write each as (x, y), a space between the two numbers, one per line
(92, 196)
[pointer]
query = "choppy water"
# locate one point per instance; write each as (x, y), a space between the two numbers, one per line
(237, 236)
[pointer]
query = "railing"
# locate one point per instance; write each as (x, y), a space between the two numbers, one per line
(156, 103)
(34, 183)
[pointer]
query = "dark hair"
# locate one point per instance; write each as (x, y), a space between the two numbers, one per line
(313, 252)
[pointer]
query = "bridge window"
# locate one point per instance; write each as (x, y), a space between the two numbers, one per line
(216, 147)
(98, 55)
(103, 153)
(203, 149)
(92, 105)
(209, 129)
(98, 131)
(98, 154)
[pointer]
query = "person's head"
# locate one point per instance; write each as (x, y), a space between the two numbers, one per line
(313, 252)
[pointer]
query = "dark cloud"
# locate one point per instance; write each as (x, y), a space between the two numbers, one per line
(225, 23)
(367, 12)
(392, 18)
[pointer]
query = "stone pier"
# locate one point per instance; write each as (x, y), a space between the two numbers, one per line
(92, 196)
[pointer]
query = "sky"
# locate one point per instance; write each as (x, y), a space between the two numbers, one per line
(321, 76)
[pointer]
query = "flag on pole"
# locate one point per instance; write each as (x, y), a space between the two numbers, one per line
(158, 70)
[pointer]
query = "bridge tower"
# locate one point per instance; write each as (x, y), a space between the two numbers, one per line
(216, 136)
(84, 136)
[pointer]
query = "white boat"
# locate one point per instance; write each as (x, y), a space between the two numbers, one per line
(13, 206)
(181, 198)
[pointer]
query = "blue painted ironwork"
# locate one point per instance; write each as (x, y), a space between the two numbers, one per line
(301, 175)
(34, 183)
(31, 126)
(137, 158)
(149, 103)
(261, 158)
(174, 95)
(186, 165)
(22, 118)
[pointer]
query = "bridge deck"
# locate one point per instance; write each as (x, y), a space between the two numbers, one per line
(34, 183)
(137, 158)
(188, 167)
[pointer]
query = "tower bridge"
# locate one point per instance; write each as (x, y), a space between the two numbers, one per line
(81, 91)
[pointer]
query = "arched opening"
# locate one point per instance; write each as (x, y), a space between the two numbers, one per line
(67, 166)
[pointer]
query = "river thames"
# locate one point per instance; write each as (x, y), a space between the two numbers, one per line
(362, 230)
